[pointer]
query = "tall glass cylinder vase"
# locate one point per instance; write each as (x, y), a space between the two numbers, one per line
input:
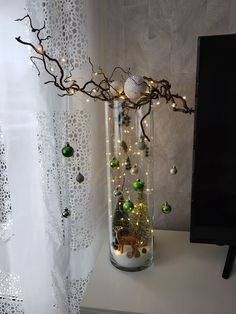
(130, 187)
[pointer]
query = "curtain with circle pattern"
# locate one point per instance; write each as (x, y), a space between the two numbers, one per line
(47, 257)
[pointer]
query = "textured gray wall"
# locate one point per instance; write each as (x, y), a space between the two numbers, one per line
(158, 38)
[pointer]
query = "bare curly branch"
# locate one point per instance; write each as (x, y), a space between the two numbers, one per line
(102, 89)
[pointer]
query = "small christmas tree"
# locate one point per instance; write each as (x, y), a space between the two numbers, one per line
(120, 217)
(140, 221)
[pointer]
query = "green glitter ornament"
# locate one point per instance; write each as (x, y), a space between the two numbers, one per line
(166, 208)
(114, 163)
(138, 185)
(67, 151)
(128, 206)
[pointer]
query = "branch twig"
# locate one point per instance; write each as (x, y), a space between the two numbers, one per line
(101, 90)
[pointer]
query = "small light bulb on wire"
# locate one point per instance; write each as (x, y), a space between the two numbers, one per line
(71, 91)
(39, 49)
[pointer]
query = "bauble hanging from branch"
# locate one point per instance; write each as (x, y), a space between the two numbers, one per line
(166, 208)
(173, 170)
(80, 178)
(66, 213)
(67, 151)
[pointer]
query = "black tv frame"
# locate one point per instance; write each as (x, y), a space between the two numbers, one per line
(206, 234)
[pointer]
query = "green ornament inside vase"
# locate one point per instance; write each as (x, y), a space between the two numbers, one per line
(128, 206)
(138, 185)
(114, 163)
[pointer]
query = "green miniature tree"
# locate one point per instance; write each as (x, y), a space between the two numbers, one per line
(141, 226)
(120, 217)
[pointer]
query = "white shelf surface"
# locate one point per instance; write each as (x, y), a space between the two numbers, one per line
(185, 278)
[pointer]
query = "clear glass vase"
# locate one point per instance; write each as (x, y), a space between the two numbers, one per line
(130, 187)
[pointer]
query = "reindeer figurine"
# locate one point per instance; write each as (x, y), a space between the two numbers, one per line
(125, 240)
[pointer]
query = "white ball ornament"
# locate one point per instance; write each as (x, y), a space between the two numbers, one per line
(134, 87)
(116, 88)
(173, 170)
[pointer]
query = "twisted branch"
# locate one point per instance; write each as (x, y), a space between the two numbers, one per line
(102, 90)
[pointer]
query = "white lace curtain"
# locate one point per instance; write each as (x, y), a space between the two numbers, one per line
(46, 260)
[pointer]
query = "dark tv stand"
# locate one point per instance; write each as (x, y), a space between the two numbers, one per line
(229, 261)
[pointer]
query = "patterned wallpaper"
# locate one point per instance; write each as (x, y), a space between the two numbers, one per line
(158, 38)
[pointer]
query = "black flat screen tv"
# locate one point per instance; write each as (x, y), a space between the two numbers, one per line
(213, 201)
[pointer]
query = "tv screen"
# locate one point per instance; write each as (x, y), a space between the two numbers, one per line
(213, 204)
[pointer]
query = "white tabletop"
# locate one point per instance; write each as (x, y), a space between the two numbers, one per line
(184, 279)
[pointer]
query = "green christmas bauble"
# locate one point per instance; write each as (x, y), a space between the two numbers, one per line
(67, 151)
(166, 208)
(128, 206)
(138, 185)
(114, 163)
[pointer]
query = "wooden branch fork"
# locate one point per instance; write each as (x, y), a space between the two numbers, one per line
(101, 89)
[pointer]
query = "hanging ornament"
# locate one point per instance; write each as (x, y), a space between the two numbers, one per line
(135, 86)
(117, 192)
(114, 163)
(67, 151)
(128, 164)
(80, 178)
(166, 208)
(173, 170)
(124, 119)
(134, 169)
(138, 185)
(116, 88)
(65, 213)
(141, 143)
(124, 146)
(146, 151)
(128, 206)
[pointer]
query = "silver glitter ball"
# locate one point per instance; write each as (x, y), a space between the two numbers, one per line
(173, 170)
(117, 192)
(65, 213)
(80, 178)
